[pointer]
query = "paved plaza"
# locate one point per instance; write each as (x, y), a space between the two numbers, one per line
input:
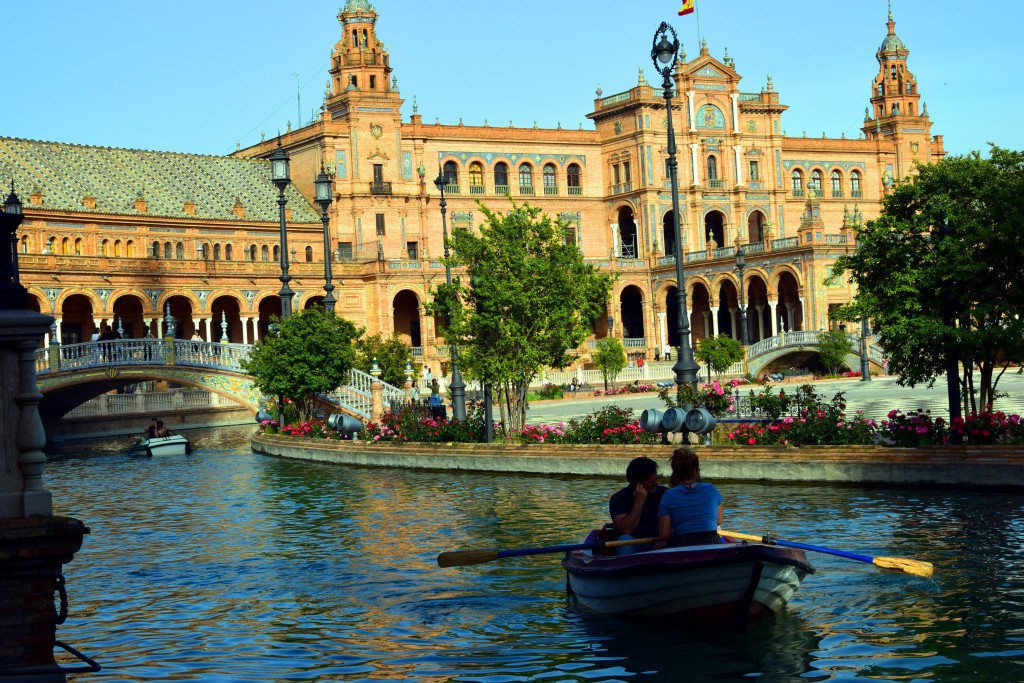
(876, 398)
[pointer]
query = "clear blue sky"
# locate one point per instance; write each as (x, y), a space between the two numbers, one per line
(195, 76)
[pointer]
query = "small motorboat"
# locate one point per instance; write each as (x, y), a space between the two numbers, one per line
(730, 584)
(173, 444)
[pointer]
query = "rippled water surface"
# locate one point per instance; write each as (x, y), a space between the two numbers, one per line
(229, 566)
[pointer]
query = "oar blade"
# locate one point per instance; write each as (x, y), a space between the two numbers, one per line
(905, 565)
(462, 558)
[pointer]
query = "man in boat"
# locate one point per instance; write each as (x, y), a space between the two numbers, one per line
(634, 509)
(150, 431)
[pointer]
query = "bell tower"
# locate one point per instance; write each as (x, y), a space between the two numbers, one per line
(360, 68)
(896, 112)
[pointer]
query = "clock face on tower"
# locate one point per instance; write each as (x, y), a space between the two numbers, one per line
(376, 131)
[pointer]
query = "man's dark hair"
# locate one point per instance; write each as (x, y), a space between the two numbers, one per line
(640, 469)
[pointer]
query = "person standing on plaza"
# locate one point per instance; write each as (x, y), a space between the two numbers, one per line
(634, 509)
(691, 510)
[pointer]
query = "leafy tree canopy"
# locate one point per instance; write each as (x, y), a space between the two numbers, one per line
(310, 354)
(833, 347)
(610, 358)
(527, 298)
(719, 353)
(904, 266)
(391, 354)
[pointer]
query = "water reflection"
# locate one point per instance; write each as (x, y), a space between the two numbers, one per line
(225, 566)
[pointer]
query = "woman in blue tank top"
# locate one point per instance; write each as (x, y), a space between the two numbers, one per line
(691, 510)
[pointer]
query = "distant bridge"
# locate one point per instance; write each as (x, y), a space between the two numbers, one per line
(764, 353)
(70, 374)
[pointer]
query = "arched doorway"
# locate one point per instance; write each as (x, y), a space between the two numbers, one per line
(759, 323)
(77, 323)
(714, 227)
(668, 233)
(128, 319)
(728, 309)
(226, 309)
(790, 311)
(406, 318)
(755, 227)
(700, 310)
(269, 306)
(627, 234)
(631, 313)
(181, 309)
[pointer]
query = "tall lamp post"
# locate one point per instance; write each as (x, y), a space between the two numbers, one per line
(741, 264)
(279, 176)
(664, 54)
(323, 198)
(13, 296)
(457, 386)
(865, 362)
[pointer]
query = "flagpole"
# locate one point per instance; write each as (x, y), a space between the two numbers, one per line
(696, 13)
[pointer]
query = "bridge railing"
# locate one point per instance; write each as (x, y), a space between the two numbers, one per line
(96, 354)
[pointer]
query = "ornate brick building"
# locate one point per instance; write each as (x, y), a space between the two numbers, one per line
(118, 235)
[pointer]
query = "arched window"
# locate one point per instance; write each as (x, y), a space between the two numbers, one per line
(712, 168)
(549, 179)
(180, 251)
(451, 176)
(500, 177)
(525, 179)
(64, 248)
(798, 184)
(264, 253)
(910, 88)
(277, 252)
(880, 89)
(815, 182)
(130, 249)
(476, 178)
(227, 252)
(252, 253)
(117, 248)
(156, 250)
(892, 72)
(167, 250)
(78, 246)
(216, 252)
(837, 184)
(24, 244)
(572, 177)
(854, 183)
(309, 254)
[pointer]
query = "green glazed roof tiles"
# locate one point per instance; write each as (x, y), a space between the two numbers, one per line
(65, 173)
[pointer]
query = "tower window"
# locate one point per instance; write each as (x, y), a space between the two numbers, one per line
(380, 225)
(373, 82)
(712, 168)
(815, 182)
(837, 184)
(451, 174)
(798, 183)
(854, 184)
(754, 172)
(501, 176)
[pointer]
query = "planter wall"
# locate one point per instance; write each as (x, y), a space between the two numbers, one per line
(982, 466)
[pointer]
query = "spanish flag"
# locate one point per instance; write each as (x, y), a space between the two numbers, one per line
(687, 7)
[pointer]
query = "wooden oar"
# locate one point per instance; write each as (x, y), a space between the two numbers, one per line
(460, 558)
(900, 564)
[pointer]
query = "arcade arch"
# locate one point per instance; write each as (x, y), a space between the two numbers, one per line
(406, 317)
(714, 227)
(627, 234)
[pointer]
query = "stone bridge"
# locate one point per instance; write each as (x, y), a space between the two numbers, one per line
(794, 349)
(70, 374)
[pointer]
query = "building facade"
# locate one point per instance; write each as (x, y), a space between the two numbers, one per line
(136, 232)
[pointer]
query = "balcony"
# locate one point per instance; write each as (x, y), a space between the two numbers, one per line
(856, 193)
(550, 190)
(501, 189)
(476, 189)
(451, 188)
(575, 190)
(798, 192)
(526, 189)
(837, 193)
(716, 184)
(622, 188)
(380, 188)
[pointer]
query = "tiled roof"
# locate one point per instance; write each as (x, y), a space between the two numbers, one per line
(64, 174)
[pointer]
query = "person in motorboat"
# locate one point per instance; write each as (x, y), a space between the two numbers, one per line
(634, 509)
(161, 430)
(150, 431)
(691, 510)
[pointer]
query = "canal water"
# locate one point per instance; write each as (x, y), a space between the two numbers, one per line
(229, 566)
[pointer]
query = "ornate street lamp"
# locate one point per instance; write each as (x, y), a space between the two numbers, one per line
(741, 263)
(457, 386)
(664, 54)
(279, 176)
(13, 296)
(323, 198)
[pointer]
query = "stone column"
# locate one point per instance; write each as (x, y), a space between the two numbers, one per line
(773, 304)
(689, 105)
(693, 165)
(760, 321)
(707, 324)
(738, 156)
(734, 323)
(714, 321)
(735, 111)
(206, 323)
(376, 400)
(803, 318)
(245, 330)
(662, 330)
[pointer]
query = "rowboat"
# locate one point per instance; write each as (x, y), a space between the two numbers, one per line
(174, 444)
(726, 584)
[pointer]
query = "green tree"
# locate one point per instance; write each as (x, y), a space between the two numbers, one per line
(904, 267)
(391, 354)
(527, 299)
(833, 347)
(610, 358)
(719, 353)
(311, 353)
